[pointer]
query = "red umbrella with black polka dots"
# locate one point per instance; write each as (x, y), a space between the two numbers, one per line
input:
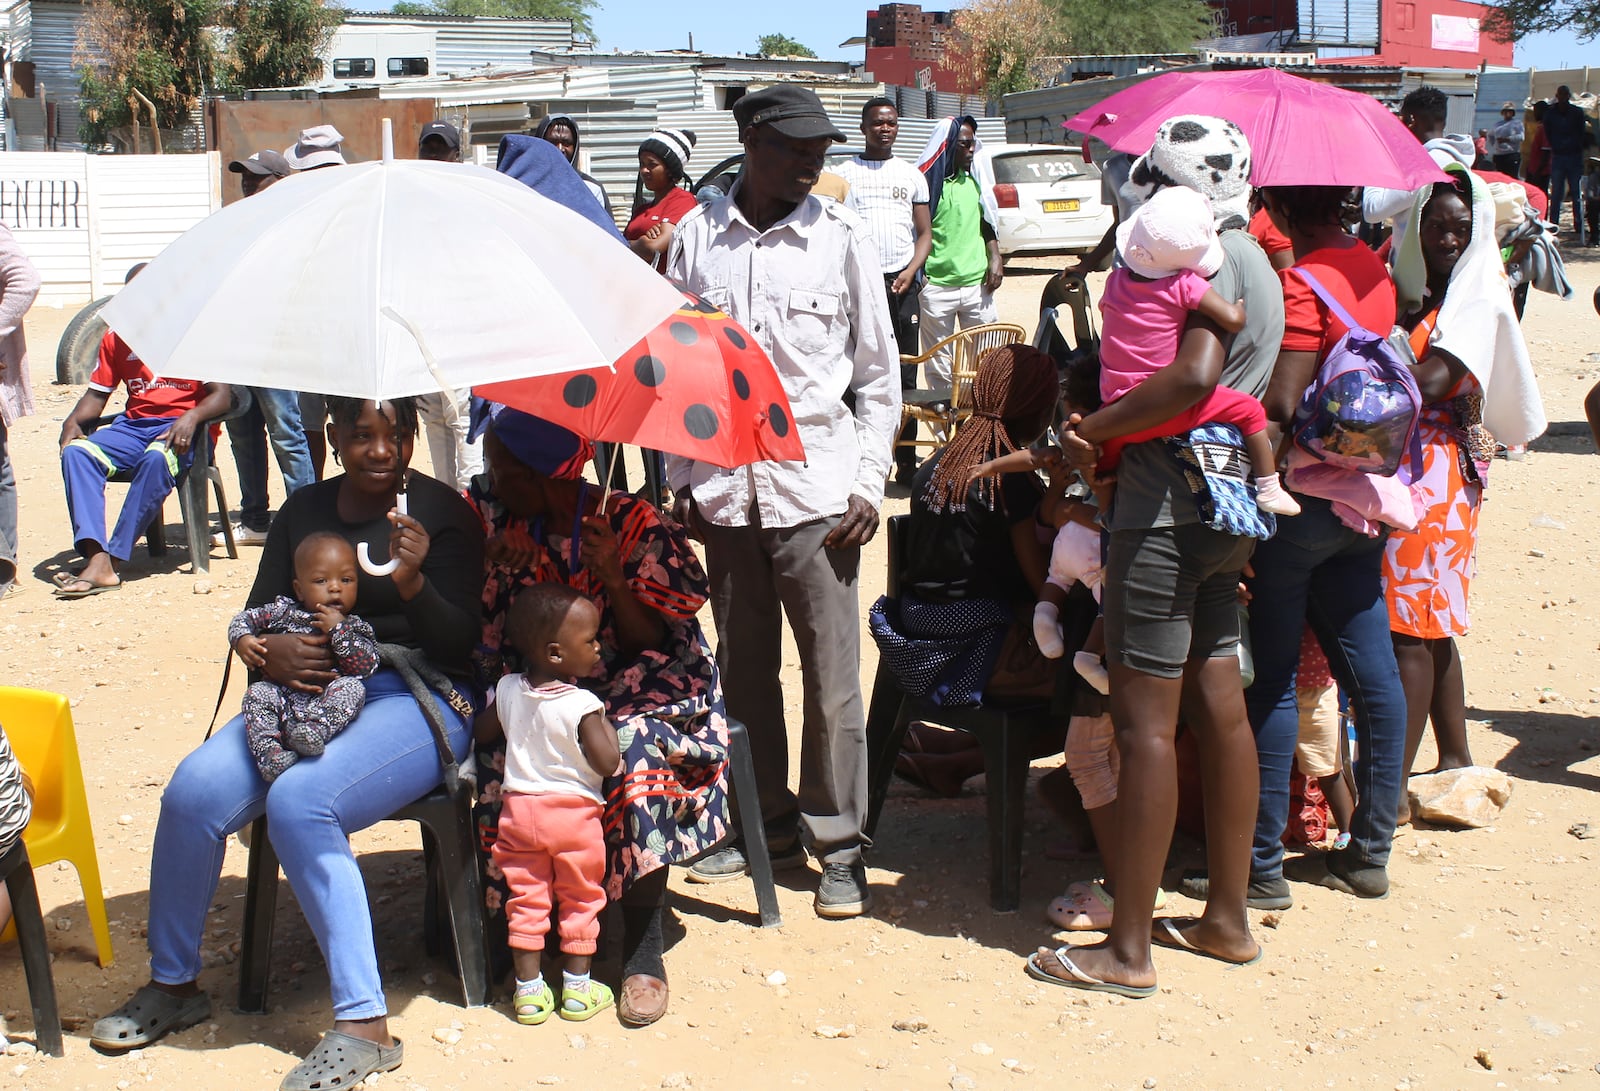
(698, 385)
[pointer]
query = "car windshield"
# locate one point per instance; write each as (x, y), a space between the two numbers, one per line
(1041, 167)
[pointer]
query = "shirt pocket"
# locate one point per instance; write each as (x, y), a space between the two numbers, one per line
(810, 320)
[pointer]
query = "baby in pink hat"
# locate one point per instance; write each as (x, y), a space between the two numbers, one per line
(1168, 248)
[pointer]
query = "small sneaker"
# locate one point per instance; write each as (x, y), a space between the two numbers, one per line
(1094, 671)
(843, 891)
(576, 1005)
(1260, 894)
(1272, 496)
(242, 535)
(729, 863)
(533, 1002)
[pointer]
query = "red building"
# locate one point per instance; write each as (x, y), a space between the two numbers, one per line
(1405, 33)
(910, 47)
(915, 48)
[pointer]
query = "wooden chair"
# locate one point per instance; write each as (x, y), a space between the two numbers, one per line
(943, 409)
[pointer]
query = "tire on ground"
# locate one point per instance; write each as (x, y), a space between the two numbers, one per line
(79, 347)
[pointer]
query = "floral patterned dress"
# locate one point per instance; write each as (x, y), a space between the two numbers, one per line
(671, 801)
(1428, 571)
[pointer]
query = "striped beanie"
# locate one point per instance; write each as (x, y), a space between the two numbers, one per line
(672, 147)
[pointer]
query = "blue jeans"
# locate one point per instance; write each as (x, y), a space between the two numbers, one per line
(383, 760)
(1317, 570)
(275, 416)
(1566, 173)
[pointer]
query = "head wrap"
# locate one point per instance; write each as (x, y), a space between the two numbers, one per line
(673, 147)
(1477, 321)
(543, 447)
(1207, 154)
(538, 164)
(938, 163)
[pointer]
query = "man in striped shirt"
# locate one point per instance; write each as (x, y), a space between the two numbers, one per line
(891, 195)
(16, 805)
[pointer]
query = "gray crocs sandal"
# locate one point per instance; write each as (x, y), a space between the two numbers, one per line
(341, 1060)
(150, 1014)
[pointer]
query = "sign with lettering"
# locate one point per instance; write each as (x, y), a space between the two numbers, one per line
(34, 203)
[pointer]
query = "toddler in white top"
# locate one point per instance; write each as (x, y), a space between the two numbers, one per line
(560, 747)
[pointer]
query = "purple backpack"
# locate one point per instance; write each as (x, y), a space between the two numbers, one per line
(1360, 412)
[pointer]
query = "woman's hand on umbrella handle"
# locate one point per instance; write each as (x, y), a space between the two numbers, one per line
(408, 544)
(598, 551)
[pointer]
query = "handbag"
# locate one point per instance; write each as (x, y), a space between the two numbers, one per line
(1217, 468)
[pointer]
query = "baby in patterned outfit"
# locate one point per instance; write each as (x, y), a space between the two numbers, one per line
(284, 724)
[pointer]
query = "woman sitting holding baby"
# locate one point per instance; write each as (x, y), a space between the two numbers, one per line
(383, 758)
(655, 677)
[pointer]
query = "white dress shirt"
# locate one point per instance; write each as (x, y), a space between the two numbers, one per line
(810, 291)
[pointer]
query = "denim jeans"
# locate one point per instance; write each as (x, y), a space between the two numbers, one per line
(1317, 570)
(275, 415)
(1566, 178)
(383, 760)
(8, 512)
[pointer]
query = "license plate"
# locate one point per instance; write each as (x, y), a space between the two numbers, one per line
(1060, 206)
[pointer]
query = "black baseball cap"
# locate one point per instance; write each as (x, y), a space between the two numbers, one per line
(793, 111)
(263, 163)
(443, 130)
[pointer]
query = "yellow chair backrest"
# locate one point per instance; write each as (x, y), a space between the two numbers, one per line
(39, 727)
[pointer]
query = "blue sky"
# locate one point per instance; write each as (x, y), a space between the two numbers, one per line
(723, 27)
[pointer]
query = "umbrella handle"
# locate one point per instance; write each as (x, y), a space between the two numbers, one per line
(364, 555)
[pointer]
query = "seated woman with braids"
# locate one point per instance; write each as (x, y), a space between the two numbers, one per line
(976, 557)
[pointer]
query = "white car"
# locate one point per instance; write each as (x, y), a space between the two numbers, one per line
(1045, 198)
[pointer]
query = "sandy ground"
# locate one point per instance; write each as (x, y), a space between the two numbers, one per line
(1478, 971)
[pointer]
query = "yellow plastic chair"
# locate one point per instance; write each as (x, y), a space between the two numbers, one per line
(39, 726)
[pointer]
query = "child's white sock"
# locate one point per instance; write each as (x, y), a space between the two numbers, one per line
(1272, 496)
(1093, 670)
(573, 983)
(1047, 630)
(531, 986)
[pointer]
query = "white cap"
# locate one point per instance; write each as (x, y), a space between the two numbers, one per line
(1171, 232)
(319, 146)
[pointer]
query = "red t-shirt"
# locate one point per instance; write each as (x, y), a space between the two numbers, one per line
(1353, 275)
(1267, 234)
(670, 207)
(1536, 196)
(148, 396)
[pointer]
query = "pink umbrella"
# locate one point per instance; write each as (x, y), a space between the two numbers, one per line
(1302, 133)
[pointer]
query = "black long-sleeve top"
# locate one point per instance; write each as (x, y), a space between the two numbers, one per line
(444, 620)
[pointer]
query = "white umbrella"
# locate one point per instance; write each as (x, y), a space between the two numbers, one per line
(389, 279)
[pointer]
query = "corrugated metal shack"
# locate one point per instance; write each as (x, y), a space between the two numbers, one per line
(470, 43)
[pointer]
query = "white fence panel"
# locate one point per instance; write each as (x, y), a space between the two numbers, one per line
(143, 202)
(86, 219)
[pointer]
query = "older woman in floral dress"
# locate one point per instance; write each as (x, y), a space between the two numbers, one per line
(657, 678)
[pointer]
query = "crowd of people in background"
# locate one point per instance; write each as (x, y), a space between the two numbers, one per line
(1067, 544)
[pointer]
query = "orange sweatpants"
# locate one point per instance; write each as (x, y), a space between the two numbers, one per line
(551, 848)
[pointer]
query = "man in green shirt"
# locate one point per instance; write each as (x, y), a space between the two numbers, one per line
(964, 268)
